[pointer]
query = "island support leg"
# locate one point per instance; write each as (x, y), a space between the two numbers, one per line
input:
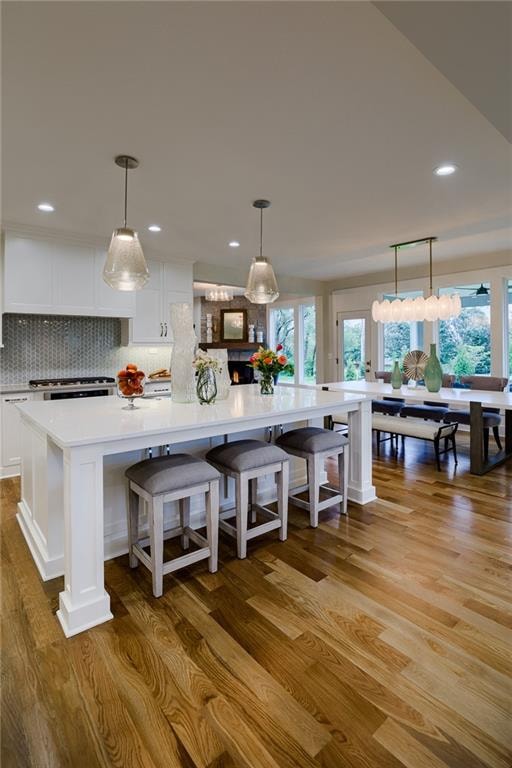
(360, 487)
(84, 603)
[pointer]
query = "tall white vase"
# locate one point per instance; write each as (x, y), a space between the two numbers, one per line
(222, 376)
(185, 342)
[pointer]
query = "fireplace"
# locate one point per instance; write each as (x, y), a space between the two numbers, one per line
(240, 372)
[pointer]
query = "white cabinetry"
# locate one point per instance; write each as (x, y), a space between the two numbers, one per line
(10, 431)
(55, 278)
(169, 283)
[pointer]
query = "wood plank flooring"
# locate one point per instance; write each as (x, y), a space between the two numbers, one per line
(378, 641)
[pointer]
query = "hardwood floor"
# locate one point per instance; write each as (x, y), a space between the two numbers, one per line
(378, 641)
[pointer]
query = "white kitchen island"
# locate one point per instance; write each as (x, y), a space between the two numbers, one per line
(75, 452)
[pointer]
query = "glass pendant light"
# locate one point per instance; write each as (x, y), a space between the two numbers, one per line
(125, 267)
(261, 283)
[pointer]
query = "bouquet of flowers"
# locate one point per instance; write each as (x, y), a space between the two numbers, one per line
(269, 364)
(206, 386)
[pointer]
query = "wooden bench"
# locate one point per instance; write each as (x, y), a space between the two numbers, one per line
(419, 428)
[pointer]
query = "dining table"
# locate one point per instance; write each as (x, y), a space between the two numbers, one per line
(476, 400)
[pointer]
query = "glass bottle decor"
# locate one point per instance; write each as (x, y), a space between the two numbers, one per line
(206, 385)
(433, 374)
(266, 384)
(396, 376)
(222, 376)
(183, 382)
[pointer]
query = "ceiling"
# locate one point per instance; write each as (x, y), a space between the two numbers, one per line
(327, 109)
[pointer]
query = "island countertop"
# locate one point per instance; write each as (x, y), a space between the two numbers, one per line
(71, 423)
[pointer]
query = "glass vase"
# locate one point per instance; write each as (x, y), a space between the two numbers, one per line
(183, 382)
(206, 386)
(396, 376)
(222, 376)
(433, 373)
(267, 384)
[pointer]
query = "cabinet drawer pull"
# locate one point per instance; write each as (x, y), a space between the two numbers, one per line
(161, 330)
(165, 328)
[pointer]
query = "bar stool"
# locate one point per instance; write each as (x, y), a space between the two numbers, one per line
(246, 461)
(315, 445)
(152, 483)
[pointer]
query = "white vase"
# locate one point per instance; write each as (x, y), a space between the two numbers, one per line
(222, 375)
(185, 342)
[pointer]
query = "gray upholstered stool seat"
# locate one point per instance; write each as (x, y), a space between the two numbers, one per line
(315, 444)
(154, 482)
(311, 439)
(168, 473)
(245, 461)
(245, 454)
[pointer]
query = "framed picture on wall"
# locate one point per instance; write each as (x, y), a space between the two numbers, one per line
(233, 325)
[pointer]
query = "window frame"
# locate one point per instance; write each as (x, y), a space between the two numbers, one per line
(297, 306)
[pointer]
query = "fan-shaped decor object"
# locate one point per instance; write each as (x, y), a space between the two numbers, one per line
(414, 364)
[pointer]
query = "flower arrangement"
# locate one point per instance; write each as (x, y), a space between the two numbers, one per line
(206, 386)
(270, 364)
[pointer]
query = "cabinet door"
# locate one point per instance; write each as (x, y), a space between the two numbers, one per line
(28, 275)
(173, 297)
(73, 279)
(11, 429)
(109, 301)
(147, 326)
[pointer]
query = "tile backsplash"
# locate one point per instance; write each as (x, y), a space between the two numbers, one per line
(40, 346)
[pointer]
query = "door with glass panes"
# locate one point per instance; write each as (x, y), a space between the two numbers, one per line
(354, 345)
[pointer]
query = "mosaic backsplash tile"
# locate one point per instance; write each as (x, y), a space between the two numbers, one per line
(39, 346)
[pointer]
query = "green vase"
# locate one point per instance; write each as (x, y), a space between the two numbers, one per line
(433, 373)
(396, 376)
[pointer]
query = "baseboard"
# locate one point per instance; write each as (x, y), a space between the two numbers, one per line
(49, 568)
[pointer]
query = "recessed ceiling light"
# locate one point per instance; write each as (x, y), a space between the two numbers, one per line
(234, 244)
(46, 207)
(155, 228)
(445, 170)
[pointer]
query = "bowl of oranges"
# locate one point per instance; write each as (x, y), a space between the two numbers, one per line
(130, 384)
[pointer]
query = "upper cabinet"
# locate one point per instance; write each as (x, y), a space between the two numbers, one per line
(169, 283)
(54, 278)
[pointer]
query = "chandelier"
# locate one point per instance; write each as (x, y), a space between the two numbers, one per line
(219, 293)
(418, 309)
(261, 283)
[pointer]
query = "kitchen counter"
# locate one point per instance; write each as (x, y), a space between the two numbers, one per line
(76, 451)
(11, 389)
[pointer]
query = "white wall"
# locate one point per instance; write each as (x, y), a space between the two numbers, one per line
(361, 298)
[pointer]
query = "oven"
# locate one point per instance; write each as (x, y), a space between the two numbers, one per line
(81, 386)
(66, 394)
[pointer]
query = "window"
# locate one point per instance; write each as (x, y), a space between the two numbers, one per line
(283, 327)
(465, 341)
(400, 338)
(308, 341)
(294, 326)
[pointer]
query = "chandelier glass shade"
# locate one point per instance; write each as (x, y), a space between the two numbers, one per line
(261, 285)
(219, 293)
(416, 310)
(125, 266)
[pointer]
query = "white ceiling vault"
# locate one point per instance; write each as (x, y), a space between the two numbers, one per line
(327, 109)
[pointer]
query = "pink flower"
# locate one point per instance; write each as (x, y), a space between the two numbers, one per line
(279, 347)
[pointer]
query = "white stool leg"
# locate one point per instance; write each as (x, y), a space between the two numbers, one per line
(156, 540)
(314, 489)
(185, 519)
(253, 485)
(133, 526)
(212, 524)
(282, 499)
(242, 502)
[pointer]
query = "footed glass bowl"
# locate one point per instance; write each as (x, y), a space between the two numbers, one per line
(130, 387)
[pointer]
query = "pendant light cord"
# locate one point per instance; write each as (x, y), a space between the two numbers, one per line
(430, 263)
(125, 189)
(261, 233)
(396, 271)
